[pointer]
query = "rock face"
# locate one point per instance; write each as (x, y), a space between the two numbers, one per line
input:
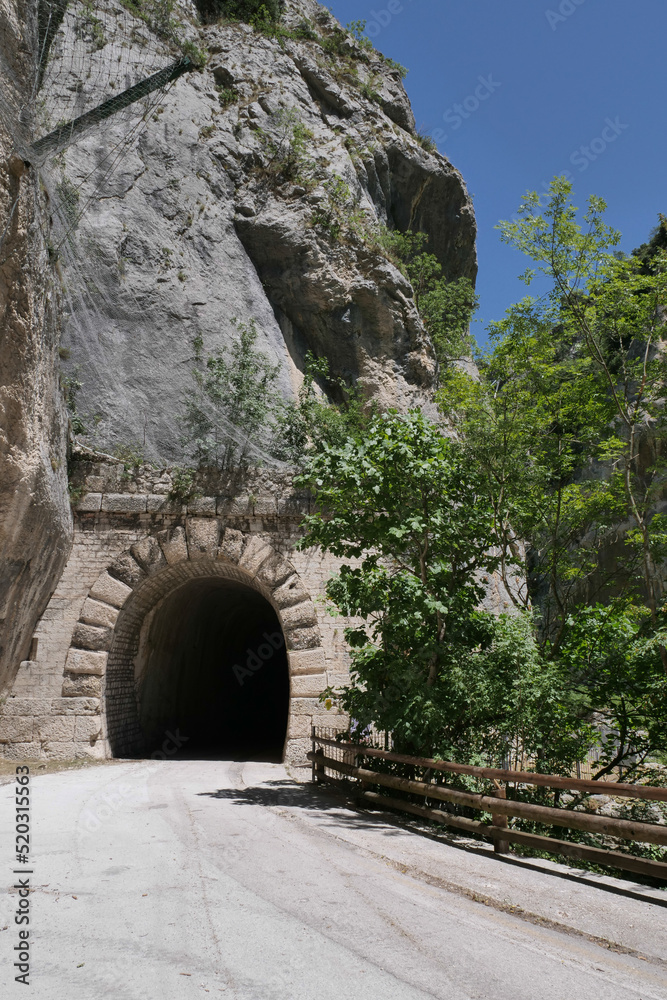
(205, 218)
(35, 518)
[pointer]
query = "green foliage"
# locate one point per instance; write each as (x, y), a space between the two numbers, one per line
(647, 252)
(197, 56)
(226, 418)
(89, 26)
(132, 456)
(403, 503)
(338, 213)
(306, 424)
(369, 88)
(285, 144)
(69, 199)
(183, 485)
(559, 419)
(157, 14)
(426, 141)
(71, 385)
(612, 656)
(358, 31)
(249, 11)
(397, 67)
(446, 307)
(227, 96)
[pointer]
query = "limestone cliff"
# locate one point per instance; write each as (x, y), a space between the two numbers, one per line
(199, 223)
(35, 519)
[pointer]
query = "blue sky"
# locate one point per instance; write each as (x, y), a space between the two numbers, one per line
(569, 85)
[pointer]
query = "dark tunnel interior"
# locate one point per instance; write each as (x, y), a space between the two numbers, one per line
(213, 672)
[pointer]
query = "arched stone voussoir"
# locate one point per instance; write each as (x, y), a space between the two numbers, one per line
(292, 591)
(127, 569)
(110, 590)
(302, 638)
(299, 616)
(231, 545)
(203, 536)
(255, 552)
(174, 545)
(275, 571)
(149, 555)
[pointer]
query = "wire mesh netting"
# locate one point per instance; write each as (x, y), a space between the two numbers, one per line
(88, 56)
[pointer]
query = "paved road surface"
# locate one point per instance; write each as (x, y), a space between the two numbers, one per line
(176, 879)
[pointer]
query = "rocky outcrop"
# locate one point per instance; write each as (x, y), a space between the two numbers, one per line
(198, 224)
(35, 519)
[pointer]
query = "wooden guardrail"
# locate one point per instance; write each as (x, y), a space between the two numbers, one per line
(499, 805)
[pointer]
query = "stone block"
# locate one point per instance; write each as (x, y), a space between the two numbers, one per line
(202, 506)
(265, 507)
(96, 613)
(275, 570)
(304, 706)
(296, 751)
(89, 503)
(308, 685)
(16, 729)
(31, 679)
(91, 751)
(256, 550)
(88, 729)
(113, 592)
(289, 593)
(55, 727)
(149, 555)
(81, 686)
(173, 544)
(156, 502)
(299, 727)
(25, 706)
(75, 706)
(58, 750)
(231, 546)
(293, 506)
(85, 661)
(21, 751)
(299, 616)
(302, 638)
(124, 503)
(203, 536)
(92, 637)
(306, 661)
(125, 568)
(237, 507)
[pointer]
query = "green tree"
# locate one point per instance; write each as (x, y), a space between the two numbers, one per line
(567, 418)
(404, 505)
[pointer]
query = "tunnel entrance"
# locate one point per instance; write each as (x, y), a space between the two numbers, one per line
(212, 669)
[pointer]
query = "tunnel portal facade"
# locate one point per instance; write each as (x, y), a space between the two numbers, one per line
(193, 629)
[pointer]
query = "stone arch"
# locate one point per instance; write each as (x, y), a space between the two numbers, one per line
(100, 660)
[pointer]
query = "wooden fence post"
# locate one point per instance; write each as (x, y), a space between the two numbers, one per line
(500, 846)
(318, 766)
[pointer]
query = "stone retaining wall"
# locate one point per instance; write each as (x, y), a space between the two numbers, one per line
(132, 543)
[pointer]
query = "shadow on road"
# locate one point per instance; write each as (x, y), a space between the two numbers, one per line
(333, 810)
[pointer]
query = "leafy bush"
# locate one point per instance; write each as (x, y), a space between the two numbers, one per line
(285, 143)
(250, 11)
(227, 417)
(445, 307)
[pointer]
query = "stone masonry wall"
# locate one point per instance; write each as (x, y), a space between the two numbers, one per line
(127, 524)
